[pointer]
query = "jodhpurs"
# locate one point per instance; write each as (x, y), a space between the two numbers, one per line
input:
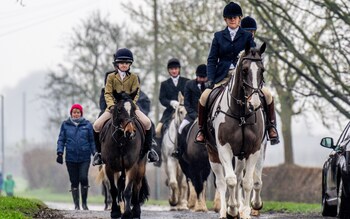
(106, 115)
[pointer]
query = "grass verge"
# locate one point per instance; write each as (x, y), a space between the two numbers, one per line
(15, 207)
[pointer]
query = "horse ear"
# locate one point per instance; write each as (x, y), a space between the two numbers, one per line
(117, 96)
(180, 98)
(262, 48)
(247, 48)
(133, 94)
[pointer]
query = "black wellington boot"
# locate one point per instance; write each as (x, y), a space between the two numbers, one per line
(84, 195)
(272, 126)
(75, 195)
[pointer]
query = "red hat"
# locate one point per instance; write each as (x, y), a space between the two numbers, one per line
(76, 106)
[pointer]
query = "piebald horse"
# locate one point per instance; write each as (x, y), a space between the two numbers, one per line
(239, 131)
(176, 180)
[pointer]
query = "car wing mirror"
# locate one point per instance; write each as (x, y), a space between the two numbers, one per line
(327, 142)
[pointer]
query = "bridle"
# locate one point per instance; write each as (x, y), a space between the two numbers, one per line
(122, 127)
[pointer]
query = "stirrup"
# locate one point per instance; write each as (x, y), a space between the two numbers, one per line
(200, 142)
(176, 154)
(150, 152)
(97, 160)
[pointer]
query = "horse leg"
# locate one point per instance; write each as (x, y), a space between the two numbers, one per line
(193, 196)
(220, 186)
(127, 197)
(226, 156)
(247, 183)
(240, 164)
(173, 187)
(183, 190)
(256, 201)
(115, 211)
(201, 204)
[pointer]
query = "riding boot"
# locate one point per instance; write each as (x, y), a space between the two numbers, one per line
(149, 145)
(97, 160)
(158, 148)
(84, 195)
(200, 137)
(75, 194)
(177, 153)
(272, 126)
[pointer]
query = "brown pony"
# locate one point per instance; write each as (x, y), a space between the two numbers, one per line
(239, 130)
(125, 161)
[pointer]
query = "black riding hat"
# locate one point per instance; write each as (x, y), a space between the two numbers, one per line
(248, 23)
(123, 55)
(173, 63)
(232, 10)
(201, 71)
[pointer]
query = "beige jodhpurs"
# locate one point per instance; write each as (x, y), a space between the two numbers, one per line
(106, 115)
(204, 97)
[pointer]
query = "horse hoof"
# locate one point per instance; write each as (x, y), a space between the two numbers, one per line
(232, 217)
(254, 212)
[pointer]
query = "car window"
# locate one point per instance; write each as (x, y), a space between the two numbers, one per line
(344, 135)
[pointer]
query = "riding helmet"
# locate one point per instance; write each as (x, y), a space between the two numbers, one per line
(248, 23)
(173, 63)
(123, 55)
(201, 71)
(232, 10)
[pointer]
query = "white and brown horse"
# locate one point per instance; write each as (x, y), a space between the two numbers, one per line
(239, 129)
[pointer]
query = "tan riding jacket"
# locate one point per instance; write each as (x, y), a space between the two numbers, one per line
(128, 85)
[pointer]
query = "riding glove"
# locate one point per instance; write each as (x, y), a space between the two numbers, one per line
(209, 84)
(59, 158)
(174, 104)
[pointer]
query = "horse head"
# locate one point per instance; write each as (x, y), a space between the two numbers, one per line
(180, 111)
(249, 76)
(124, 113)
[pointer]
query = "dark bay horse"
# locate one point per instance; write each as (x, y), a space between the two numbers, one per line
(239, 131)
(195, 165)
(122, 152)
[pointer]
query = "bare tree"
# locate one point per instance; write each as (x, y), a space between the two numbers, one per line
(90, 53)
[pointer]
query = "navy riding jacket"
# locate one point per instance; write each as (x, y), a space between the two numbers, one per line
(224, 52)
(168, 92)
(78, 141)
(192, 95)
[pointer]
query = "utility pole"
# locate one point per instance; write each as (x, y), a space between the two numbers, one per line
(2, 135)
(24, 119)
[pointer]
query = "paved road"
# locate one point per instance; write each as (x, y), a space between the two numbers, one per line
(162, 212)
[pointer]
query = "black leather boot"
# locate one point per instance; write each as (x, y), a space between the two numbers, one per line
(97, 160)
(84, 195)
(178, 150)
(149, 145)
(272, 125)
(200, 137)
(75, 195)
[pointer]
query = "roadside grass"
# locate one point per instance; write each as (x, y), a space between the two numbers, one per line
(15, 207)
(269, 206)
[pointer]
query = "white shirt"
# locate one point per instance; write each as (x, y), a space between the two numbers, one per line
(175, 80)
(121, 74)
(232, 32)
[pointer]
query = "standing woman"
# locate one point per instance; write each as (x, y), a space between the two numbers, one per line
(76, 135)
(223, 57)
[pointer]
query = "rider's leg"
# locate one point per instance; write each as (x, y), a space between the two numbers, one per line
(271, 117)
(178, 147)
(159, 130)
(150, 144)
(200, 138)
(97, 160)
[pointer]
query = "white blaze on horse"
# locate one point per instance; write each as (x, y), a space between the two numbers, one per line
(176, 181)
(239, 128)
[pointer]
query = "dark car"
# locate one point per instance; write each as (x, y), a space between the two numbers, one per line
(336, 176)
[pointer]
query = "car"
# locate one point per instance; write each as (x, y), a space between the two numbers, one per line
(336, 176)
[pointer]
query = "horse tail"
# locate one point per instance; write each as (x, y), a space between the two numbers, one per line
(101, 176)
(143, 194)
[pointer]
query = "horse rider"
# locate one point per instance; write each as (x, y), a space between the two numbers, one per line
(193, 91)
(122, 80)
(222, 59)
(249, 24)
